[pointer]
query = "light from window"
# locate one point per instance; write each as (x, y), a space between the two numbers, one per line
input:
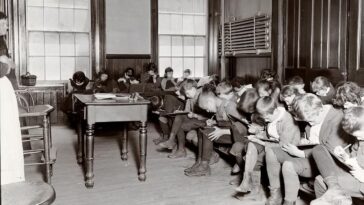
(182, 26)
(58, 33)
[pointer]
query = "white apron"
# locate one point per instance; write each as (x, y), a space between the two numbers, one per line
(12, 159)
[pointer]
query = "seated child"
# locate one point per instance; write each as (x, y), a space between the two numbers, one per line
(168, 83)
(160, 106)
(338, 184)
(127, 79)
(212, 79)
(184, 123)
(225, 91)
(297, 82)
(77, 84)
(348, 95)
(217, 131)
(104, 84)
(323, 88)
(281, 129)
(239, 86)
(186, 75)
(151, 75)
(287, 95)
(294, 162)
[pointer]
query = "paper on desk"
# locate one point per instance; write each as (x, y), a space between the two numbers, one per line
(102, 96)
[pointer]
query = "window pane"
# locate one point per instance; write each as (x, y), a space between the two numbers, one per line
(200, 6)
(164, 24)
(67, 3)
(189, 63)
(82, 4)
(51, 19)
(170, 5)
(67, 67)
(163, 64)
(200, 46)
(188, 46)
(188, 24)
(199, 67)
(36, 67)
(35, 2)
(66, 19)
(52, 68)
(36, 44)
(51, 44)
(51, 3)
(35, 18)
(187, 6)
(67, 44)
(82, 20)
(82, 45)
(177, 65)
(165, 46)
(177, 46)
(200, 25)
(83, 64)
(176, 21)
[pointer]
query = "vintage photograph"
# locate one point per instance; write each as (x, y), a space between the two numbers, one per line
(182, 102)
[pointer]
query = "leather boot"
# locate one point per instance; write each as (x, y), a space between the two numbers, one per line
(275, 197)
(246, 184)
(256, 193)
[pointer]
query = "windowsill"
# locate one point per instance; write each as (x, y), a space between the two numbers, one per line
(45, 84)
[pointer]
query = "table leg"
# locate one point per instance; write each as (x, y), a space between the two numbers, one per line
(89, 156)
(80, 138)
(143, 150)
(46, 149)
(124, 146)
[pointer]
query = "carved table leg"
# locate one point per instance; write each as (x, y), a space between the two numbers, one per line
(46, 150)
(124, 146)
(80, 138)
(89, 156)
(143, 150)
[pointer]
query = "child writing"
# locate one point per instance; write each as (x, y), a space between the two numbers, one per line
(281, 128)
(298, 83)
(348, 95)
(323, 88)
(217, 131)
(104, 84)
(127, 79)
(337, 185)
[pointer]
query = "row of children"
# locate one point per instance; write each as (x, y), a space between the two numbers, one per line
(287, 132)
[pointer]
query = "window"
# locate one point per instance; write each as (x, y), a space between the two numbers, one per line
(182, 36)
(58, 33)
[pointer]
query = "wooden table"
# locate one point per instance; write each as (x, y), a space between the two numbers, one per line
(118, 110)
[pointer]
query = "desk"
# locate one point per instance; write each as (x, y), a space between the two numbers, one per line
(119, 110)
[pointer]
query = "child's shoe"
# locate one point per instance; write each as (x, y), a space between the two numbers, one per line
(289, 202)
(178, 154)
(169, 144)
(333, 196)
(214, 158)
(196, 164)
(246, 184)
(275, 197)
(256, 190)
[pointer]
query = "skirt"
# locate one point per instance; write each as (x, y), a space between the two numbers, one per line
(12, 159)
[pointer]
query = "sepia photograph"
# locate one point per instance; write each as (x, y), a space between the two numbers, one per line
(182, 102)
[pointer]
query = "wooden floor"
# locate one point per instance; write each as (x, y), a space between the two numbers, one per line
(116, 181)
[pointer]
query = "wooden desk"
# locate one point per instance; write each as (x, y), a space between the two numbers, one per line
(120, 110)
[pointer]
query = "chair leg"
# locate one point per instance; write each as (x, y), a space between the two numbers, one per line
(46, 150)
(50, 131)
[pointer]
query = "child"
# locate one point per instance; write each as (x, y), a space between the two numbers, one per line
(151, 75)
(225, 91)
(168, 83)
(104, 84)
(127, 79)
(263, 87)
(186, 75)
(184, 123)
(293, 162)
(323, 88)
(161, 105)
(348, 95)
(281, 128)
(337, 185)
(239, 87)
(298, 83)
(217, 131)
(288, 94)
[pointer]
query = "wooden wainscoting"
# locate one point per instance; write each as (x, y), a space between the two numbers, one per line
(116, 64)
(47, 94)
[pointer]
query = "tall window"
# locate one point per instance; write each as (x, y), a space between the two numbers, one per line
(58, 33)
(182, 36)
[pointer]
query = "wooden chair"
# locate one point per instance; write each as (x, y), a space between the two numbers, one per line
(25, 193)
(48, 151)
